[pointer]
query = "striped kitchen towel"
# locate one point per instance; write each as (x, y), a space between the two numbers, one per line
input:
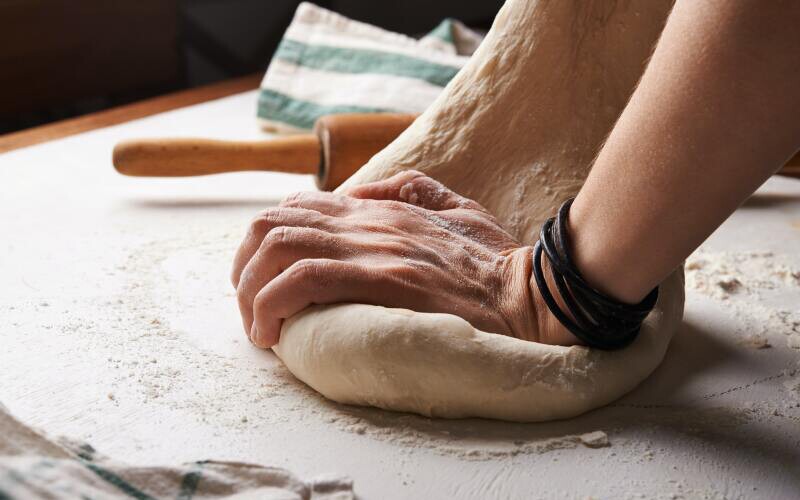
(34, 465)
(327, 64)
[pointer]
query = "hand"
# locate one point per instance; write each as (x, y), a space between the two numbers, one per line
(406, 242)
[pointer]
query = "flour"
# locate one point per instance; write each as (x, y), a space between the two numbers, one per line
(745, 282)
(725, 274)
(150, 360)
(472, 441)
(755, 342)
(154, 360)
(477, 440)
(793, 388)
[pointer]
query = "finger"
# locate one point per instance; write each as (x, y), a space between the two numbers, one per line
(384, 189)
(414, 188)
(331, 204)
(322, 281)
(270, 219)
(280, 248)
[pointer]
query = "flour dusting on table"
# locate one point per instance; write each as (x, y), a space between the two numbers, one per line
(744, 280)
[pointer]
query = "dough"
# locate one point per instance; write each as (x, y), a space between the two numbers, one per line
(438, 365)
(516, 130)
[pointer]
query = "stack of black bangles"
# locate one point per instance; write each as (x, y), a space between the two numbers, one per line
(598, 320)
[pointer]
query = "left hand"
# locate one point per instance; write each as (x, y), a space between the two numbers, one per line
(405, 242)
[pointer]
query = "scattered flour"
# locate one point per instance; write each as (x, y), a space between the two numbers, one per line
(473, 439)
(745, 282)
(748, 285)
(755, 342)
(724, 274)
(793, 387)
(152, 362)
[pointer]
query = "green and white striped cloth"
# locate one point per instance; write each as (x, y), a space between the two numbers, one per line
(33, 465)
(327, 64)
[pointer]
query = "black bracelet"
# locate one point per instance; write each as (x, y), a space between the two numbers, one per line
(599, 321)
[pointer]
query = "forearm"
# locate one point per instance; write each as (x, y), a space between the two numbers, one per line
(716, 113)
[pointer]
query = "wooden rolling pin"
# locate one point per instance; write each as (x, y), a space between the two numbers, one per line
(339, 146)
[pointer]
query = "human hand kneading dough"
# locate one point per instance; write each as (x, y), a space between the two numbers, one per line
(715, 113)
(405, 242)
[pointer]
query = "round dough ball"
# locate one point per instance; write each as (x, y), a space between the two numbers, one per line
(438, 365)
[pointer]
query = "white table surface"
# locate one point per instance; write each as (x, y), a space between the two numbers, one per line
(119, 326)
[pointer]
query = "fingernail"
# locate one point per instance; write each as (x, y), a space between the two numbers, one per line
(254, 335)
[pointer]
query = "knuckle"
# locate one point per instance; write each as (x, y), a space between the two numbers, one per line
(259, 224)
(267, 219)
(292, 197)
(276, 216)
(296, 199)
(260, 305)
(305, 270)
(340, 199)
(244, 298)
(280, 237)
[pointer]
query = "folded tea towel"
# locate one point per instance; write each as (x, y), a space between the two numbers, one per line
(32, 465)
(327, 63)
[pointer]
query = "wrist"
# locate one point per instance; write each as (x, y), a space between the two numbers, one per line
(549, 328)
(603, 256)
(517, 305)
(526, 312)
(595, 318)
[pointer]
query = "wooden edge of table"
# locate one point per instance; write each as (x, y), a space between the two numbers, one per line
(792, 168)
(127, 112)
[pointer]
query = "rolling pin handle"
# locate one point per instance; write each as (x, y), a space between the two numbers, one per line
(180, 157)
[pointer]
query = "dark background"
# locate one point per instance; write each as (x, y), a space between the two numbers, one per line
(63, 58)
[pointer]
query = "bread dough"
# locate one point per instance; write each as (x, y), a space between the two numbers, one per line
(516, 130)
(438, 365)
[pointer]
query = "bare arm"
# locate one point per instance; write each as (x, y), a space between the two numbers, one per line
(716, 113)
